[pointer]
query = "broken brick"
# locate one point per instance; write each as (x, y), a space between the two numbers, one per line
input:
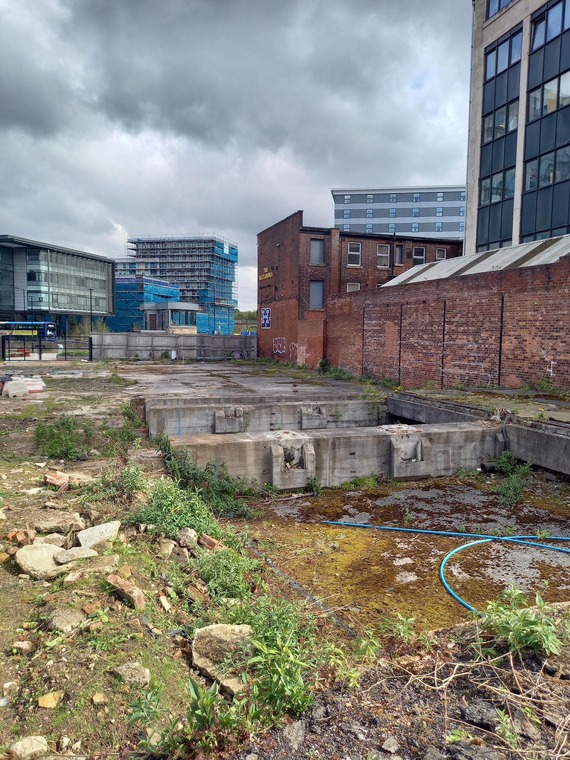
(127, 590)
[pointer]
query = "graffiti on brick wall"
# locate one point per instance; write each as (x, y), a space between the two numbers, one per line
(550, 363)
(279, 345)
(298, 354)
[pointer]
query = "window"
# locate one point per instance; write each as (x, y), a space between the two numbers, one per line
(439, 211)
(439, 226)
(393, 198)
(513, 116)
(369, 213)
(485, 192)
(509, 186)
(554, 22)
(346, 213)
(538, 32)
(346, 227)
(496, 187)
(440, 197)
(534, 100)
(462, 197)
(419, 255)
(415, 227)
(562, 164)
(317, 252)
(531, 175)
(368, 228)
(492, 8)
(500, 122)
(564, 90)
(392, 228)
(546, 171)
(383, 256)
(550, 96)
(352, 287)
(392, 212)
(488, 128)
(415, 212)
(316, 292)
(440, 254)
(347, 198)
(399, 255)
(354, 254)
(516, 47)
(490, 64)
(461, 226)
(416, 198)
(503, 56)
(369, 199)
(462, 211)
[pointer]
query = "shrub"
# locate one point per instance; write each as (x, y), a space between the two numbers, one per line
(64, 438)
(226, 573)
(223, 492)
(512, 622)
(171, 508)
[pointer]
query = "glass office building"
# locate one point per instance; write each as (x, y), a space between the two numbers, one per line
(40, 279)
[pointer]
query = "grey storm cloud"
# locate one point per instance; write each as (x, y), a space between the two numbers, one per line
(141, 117)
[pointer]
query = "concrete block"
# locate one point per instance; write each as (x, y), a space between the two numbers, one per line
(292, 467)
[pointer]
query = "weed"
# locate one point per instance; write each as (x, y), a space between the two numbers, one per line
(323, 366)
(511, 488)
(278, 685)
(171, 508)
(511, 621)
(367, 647)
(458, 735)
(362, 482)
(401, 627)
(314, 486)
(388, 382)
(118, 380)
(427, 642)
(119, 483)
(506, 729)
(337, 373)
(408, 517)
(544, 385)
(223, 491)
(63, 439)
(226, 573)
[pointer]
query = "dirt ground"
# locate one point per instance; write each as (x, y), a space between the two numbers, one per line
(360, 578)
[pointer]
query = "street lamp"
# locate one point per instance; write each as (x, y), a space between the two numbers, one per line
(90, 309)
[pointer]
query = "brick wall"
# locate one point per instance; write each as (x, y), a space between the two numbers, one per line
(507, 327)
(285, 272)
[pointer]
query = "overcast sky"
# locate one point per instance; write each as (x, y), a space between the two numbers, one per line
(144, 117)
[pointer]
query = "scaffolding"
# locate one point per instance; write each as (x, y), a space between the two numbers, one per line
(203, 266)
(131, 293)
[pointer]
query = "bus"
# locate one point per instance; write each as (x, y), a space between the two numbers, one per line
(42, 330)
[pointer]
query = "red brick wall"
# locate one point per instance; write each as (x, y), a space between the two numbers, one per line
(451, 329)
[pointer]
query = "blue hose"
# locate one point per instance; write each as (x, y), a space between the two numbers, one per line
(481, 539)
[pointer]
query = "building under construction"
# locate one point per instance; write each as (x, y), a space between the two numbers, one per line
(203, 266)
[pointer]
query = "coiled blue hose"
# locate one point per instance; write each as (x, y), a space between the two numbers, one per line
(481, 539)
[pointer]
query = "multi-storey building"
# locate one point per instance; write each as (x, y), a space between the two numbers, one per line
(435, 212)
(519, 136)
(203, 266)
(131, 293)
(300, 267)
(42, 280)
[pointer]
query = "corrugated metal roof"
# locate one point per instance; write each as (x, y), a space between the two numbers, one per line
(534, 254)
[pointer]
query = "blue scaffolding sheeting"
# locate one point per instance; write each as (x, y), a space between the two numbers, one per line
(131, 293)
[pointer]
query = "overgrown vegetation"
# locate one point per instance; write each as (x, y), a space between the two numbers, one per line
(519, 627)
(511, 488)
(224, 493)
(65, 438)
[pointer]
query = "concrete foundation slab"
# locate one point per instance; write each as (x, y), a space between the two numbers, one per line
(391, 451)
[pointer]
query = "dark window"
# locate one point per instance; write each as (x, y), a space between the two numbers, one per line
(539, 33)
(546, 170)
(503, 56)
(500, 122)
(419, 255)
(490, 64)
(531, 175)
(562, 164)
(509, 185)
